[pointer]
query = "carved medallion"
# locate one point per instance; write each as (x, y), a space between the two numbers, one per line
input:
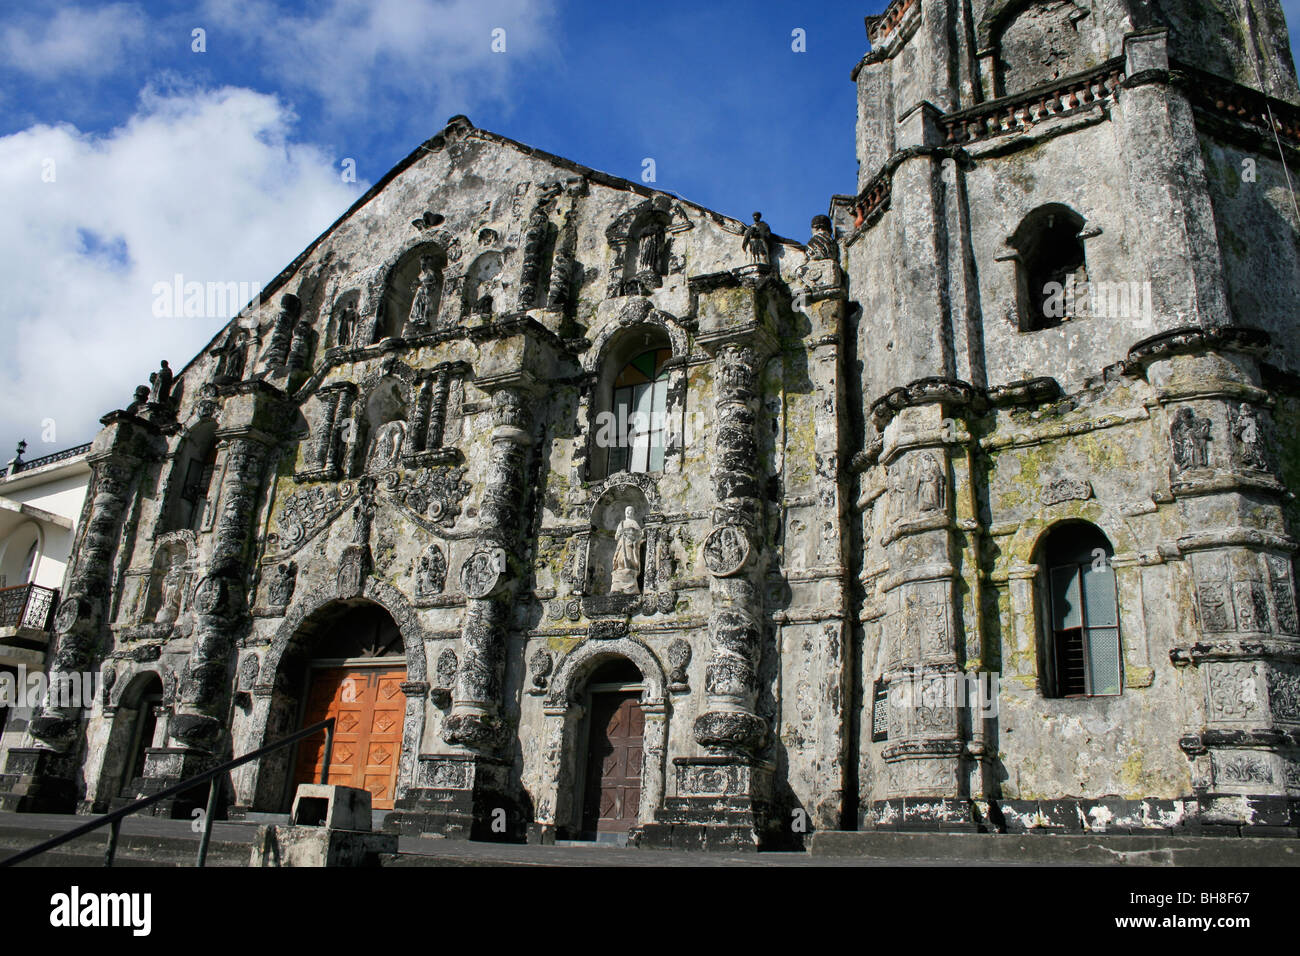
(481, 573)
(726, 550)
(68, 613)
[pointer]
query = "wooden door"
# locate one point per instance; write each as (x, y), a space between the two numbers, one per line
(613, 784)
(368, 706)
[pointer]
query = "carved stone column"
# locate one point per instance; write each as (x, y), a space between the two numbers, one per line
(731, 552)
(220, 598)
(42, 778)
(466, 793)
(485, 578)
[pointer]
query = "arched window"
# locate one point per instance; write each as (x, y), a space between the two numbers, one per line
(1051, 274)
(1081, 649)
(29, 564)
(640, 409)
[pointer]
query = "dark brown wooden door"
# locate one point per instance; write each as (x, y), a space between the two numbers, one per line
(368, 706)
(613, 790)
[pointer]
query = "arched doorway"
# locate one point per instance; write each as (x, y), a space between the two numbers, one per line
(351, 667)
(614, 751)
(134, 728)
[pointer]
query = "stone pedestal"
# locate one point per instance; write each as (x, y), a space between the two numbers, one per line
(460, 797)
(38, 780)
(722, 803)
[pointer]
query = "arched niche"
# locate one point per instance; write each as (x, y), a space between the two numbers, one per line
(617, 505)
(412, 293)
(345, 319)
(187, 505)
(381, 426)
(483, 289)
(170, 575)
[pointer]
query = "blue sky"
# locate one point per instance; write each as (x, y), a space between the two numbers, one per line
(126, 157)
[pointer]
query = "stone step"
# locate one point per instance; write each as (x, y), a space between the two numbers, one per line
(1055, 848)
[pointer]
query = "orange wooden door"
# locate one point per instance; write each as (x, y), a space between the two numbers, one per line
(613, 798)
(367, 705)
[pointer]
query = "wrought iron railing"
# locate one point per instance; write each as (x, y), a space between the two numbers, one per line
(27, 605)
(58, 456)
(211, 777)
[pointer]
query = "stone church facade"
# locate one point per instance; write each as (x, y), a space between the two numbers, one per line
(585, 510)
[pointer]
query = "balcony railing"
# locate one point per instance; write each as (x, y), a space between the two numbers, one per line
(27, 606)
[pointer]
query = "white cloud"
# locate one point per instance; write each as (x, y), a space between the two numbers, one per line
(437, 51)
(208, 184)
(76, 40)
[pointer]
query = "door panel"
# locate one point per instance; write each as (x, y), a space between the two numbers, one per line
(368, 706)
(613, 785)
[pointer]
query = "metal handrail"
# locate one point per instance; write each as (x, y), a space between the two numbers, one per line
(114, 819)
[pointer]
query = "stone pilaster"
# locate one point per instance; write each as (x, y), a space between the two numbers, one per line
(925, 458)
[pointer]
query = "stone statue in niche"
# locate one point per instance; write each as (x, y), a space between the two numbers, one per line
(929, 484)
(300, 346)
(230, 364)
(424, 305)
(627, 554)
(386, 452)
(280, 589)
(160, 384)
(430, 572)
(169, 607)
(1245, 429)
(650, 248)
(277, 352)
(756, 240)
(1190, 438)
(347, 326)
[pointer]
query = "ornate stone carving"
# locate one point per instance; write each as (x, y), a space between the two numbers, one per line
(249, 668)
(172, 590)
(1189, 437)
(1284, 694)
(540, 666)
(277, 351)
(1251, 600)
(279, 589)
(822, 245)
(1241, 769)
(1249, 439)
(1233, 691)
(1216, 612)
(1065, 489)
(928, 484)
(679, 658)
(481, 573)
(726, 549)
(430, 572)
